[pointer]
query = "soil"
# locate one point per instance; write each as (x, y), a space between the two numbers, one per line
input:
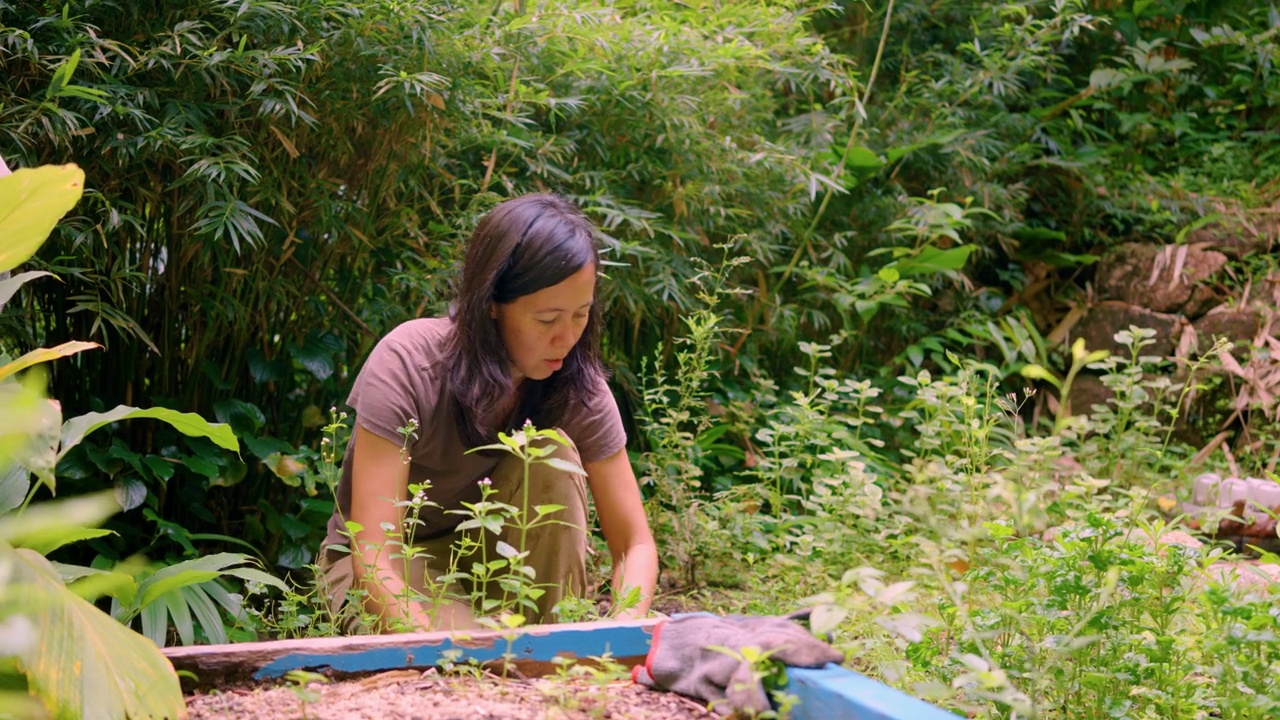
(430, 695)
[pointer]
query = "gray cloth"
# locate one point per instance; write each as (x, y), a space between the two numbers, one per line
(681, 658)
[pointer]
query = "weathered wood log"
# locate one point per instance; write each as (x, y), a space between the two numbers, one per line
(530, 649)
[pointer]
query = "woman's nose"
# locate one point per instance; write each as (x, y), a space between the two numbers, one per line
(565, 336)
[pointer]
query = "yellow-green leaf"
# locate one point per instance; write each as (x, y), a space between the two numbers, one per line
(1037, 372)
(31, 203)
(86, 665)
(48, 519)
(20, 420)
(1077, 349)
(74, 430)
(40, 355)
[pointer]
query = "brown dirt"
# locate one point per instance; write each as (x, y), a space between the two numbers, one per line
(415, 695)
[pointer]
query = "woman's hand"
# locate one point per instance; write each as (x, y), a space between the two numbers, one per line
(379, 480)
(626, 529)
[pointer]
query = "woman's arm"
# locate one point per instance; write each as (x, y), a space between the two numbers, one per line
(626, 529)
(379, 480)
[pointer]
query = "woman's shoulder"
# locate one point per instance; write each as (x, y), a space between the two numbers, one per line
(404, 375)
(424, 340)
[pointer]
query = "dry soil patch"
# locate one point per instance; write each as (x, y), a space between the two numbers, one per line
(414, 695)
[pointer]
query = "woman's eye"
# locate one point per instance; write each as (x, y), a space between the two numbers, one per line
(547, 322)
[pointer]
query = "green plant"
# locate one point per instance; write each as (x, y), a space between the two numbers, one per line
(300, 682)
(64, 654)
(69, 665)
(186, 596)
(1080, 359)
(517, 580)
(678, 428)
(601, 672)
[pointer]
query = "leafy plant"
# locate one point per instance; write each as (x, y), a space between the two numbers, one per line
(70, 656)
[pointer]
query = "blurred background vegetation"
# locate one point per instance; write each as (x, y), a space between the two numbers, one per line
(271, 185)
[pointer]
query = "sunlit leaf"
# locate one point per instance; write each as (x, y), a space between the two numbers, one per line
(40, 355)
(31, 203)
(10, 286)
(1037, 372)
(932, 260)
(44, 522)
(87, 665)
(75, 429)
(563, 465)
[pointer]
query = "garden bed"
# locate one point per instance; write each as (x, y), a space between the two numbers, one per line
(568, 671)
(431, 695)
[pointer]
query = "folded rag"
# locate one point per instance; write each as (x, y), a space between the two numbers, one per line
(681, 659)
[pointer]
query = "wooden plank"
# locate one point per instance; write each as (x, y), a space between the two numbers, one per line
(529, 648)
(837, 692)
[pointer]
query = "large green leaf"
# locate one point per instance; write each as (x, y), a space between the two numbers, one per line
(92, 583)
(41, 454)
(40, 355)
(43, 521)
(14, 484)
(9, 286)
(933, 260)
(86, 664)
(31, 203)
(22, 403)
(200, 570)
(184, 594)
(75, 429)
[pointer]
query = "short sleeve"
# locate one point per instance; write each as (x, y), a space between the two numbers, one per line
(388, 392)
(595, 425)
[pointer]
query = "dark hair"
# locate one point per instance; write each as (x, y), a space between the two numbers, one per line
(522, 246)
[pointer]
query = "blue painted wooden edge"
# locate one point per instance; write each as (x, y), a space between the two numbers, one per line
(542, 643)
(834, 692)
(828, 693)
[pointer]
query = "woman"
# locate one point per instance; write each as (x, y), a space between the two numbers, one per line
(522, 343)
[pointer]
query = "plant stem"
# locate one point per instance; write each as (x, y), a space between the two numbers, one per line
(859, 112)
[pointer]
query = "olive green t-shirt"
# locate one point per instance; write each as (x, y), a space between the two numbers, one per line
(406, 376)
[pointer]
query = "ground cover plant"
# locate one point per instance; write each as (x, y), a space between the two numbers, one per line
(854, 249)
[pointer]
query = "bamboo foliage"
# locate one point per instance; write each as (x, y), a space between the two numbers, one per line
(259, 170)
(272, 184)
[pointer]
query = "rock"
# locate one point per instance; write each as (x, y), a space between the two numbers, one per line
(1238, 325)
(1170, 537)
(1086, 391)
(1125, 274)
(1246, 576)
(1237, 242)
(1202, 299)
(1105, 319)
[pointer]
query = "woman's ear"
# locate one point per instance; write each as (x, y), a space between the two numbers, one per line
(493, 311)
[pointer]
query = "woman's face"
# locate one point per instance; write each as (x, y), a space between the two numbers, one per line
(541, 328)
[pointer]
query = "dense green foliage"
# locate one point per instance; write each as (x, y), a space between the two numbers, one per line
(836, 235)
